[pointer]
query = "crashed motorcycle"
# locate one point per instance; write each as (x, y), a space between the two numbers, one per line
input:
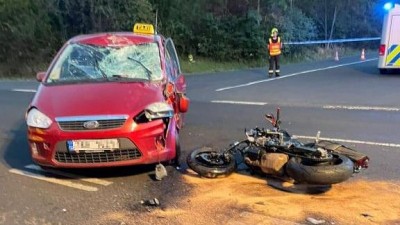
(275, 152)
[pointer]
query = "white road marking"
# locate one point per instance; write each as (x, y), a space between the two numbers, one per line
(366, 108)
(292, 75)
(238, 102)
(24, 90)
(53, 180)
(333, 107)
(351, 141)
(70, 175)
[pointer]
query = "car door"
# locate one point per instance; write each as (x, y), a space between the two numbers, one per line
(181, 102)
(177, 77)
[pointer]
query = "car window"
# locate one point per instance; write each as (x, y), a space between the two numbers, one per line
(90, 62)
(169, 66)
(174, 57)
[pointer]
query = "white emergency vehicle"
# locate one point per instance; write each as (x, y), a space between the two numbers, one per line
(389, 50)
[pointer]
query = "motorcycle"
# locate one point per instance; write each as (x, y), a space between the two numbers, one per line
(275, 152)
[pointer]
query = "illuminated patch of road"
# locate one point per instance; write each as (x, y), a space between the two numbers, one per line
(292, 75)
(238, 102)
(70, 175)
(393, 145)
(365, 108)
(24, 90)
(64, 182)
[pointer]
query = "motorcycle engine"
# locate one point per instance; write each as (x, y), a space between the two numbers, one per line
(269, 163)
(253, 153)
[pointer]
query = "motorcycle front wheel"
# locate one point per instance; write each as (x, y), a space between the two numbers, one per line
(339, 169)
(210, 163)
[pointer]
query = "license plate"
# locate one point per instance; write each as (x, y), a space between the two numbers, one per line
(93, 145)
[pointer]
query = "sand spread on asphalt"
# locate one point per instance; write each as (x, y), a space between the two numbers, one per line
(247, 200)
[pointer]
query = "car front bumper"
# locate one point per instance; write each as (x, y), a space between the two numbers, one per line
(143, 143)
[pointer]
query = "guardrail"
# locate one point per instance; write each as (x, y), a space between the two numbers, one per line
(331, 41)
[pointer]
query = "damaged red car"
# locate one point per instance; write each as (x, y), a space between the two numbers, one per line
(109, 99)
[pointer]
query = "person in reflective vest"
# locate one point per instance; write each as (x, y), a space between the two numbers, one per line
(275, 50)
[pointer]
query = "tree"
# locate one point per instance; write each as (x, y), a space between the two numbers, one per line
(26, 33)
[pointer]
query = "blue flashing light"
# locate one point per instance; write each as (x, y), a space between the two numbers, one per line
(388, 6)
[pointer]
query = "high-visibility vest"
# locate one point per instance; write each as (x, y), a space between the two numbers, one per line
(275, 48)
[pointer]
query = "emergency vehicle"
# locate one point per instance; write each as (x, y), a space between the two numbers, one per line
(389, 50)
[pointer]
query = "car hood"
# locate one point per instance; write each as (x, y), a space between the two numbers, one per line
(109, 98)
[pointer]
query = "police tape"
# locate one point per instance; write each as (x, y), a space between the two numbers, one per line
(331, 41)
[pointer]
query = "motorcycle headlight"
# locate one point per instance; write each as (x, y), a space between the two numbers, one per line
(35, 118)
(159, 110)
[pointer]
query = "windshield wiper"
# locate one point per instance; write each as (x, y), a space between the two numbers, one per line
(98, 68)
(148, 72)
(118, 77)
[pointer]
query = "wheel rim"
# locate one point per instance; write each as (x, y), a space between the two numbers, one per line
(211, 158)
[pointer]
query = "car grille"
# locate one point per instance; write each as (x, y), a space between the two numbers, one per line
(103, 124)
(98, 157)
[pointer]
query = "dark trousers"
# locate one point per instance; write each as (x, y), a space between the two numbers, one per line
(274, 62)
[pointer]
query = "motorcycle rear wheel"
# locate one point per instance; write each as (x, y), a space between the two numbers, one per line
(337, 171)
(211, 164)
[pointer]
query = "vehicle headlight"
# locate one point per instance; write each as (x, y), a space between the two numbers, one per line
(35, 118)
(159, 110)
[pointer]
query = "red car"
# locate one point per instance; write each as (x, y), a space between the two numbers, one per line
(109, 99)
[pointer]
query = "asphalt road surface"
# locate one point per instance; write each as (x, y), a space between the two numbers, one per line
(347, 101)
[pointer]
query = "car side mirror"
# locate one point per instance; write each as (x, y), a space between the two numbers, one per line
(40, 76)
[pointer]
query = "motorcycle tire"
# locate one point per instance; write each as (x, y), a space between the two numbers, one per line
(321, 174)
(196, 161)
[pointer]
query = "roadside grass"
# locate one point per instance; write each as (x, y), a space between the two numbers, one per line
(205, 65)
(21, 72)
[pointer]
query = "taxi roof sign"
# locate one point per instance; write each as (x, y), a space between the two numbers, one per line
(143, 28)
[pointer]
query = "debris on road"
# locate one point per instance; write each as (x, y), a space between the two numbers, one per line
(315, 221)
(161, 172)
(150, 202)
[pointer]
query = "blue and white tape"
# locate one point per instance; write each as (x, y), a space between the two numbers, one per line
(331, 41)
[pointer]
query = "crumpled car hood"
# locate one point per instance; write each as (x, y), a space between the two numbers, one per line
(109, 98)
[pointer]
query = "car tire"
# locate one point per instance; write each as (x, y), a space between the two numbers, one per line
(176, 160)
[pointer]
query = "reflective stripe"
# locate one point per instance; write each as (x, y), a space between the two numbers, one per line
(396, 60)
(278, 71)
(393, 54)
(391, 48)
(275, 48)
(397, 63)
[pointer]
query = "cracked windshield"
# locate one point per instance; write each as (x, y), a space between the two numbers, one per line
(81, 62)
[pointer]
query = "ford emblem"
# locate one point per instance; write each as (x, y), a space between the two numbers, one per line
(91, 124)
